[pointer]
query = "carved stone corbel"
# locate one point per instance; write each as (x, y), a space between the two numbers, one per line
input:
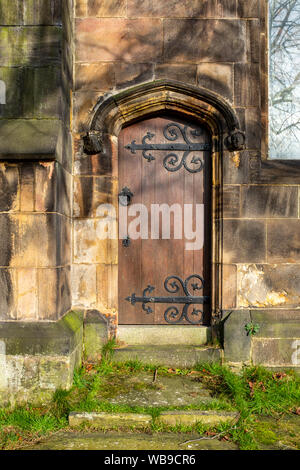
(235, 140)
(92, 142)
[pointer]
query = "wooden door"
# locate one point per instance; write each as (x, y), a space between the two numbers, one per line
(164, 160)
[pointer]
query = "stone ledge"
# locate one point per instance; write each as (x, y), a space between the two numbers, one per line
(33, 379)
(189, 418)
(37, 358)
(109, 420)
(29, 138)
(42, 338)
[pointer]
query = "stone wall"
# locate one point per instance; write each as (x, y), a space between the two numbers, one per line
(219, 45)
(36, 65)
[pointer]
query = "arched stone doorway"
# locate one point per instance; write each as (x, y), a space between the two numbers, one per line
(154, 101)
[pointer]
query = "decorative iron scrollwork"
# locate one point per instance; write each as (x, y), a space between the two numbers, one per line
(172, 162)
(172, 314)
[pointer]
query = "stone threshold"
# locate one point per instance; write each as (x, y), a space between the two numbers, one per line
(105, 420)
(155, 335)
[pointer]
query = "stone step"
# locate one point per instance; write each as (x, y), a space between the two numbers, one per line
(154, 335)
(109, 441)
(168, 355)
(189, 418)
(102, 420)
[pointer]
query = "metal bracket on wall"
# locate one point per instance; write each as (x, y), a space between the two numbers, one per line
(172, 284)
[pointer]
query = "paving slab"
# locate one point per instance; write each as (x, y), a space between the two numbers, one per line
(116, 441)
(140, 390)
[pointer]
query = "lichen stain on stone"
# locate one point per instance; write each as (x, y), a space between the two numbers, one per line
(236, 159)
(253, 290)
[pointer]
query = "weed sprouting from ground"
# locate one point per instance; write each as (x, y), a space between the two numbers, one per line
(108, 350)
(60, 404)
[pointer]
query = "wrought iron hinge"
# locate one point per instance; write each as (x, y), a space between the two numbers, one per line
(172, 162)
(172, 284)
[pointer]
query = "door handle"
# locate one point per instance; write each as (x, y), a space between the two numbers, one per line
(125, 196)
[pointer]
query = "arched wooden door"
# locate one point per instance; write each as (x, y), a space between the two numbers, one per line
(164, 186)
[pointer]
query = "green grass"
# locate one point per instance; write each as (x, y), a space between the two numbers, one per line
(255, 392)
(25, 424)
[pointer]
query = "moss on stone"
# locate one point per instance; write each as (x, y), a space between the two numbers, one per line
(282, 433)
(95, 336)
(73, 320)
(264, 434)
